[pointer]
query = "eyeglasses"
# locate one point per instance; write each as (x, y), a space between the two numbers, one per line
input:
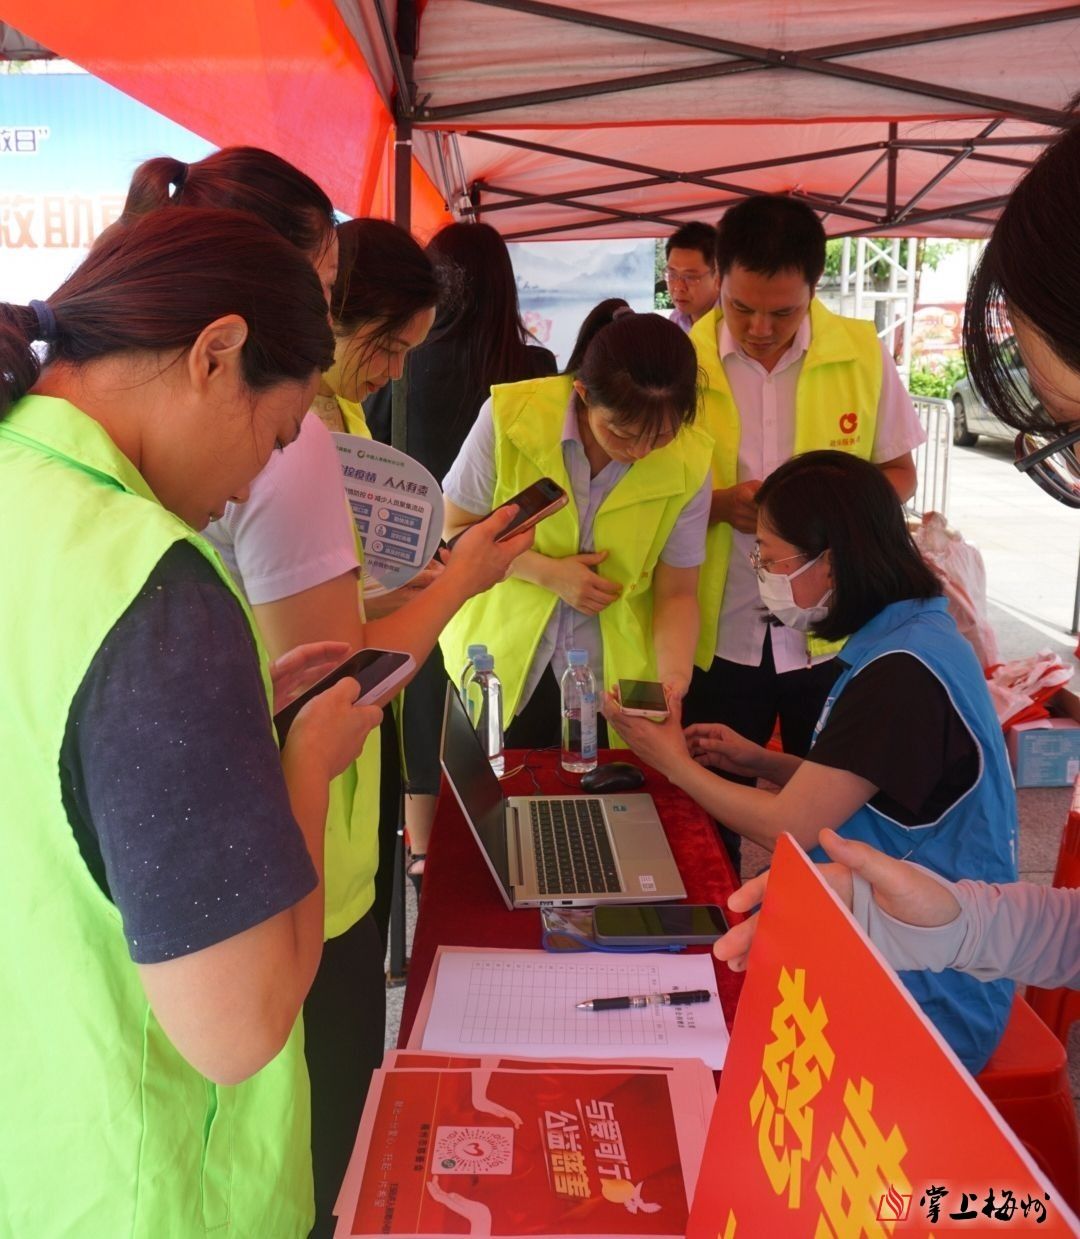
(1051, 462)
(761, 566)
(689, 278)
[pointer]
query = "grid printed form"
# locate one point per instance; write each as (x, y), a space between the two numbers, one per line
(515, 1004)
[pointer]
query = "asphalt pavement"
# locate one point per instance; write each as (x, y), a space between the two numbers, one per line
(1029, 542)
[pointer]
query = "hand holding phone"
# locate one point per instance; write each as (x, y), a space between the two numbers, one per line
(658, 924)
(533, 503)
(378, 672)
(643, 698)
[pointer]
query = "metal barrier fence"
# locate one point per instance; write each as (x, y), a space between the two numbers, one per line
(932, 457)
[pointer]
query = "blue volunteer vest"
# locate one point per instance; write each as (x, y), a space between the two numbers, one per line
(976, 838)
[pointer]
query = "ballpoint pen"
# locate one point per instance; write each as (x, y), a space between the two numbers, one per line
(676, 997)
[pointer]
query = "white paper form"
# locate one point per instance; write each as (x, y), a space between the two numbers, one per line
(524, 1002)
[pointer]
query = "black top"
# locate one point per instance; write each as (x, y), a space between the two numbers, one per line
(895, 726)
(442, 404)
(171, 777)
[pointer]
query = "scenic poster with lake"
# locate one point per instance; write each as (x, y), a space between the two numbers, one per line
(559, 282)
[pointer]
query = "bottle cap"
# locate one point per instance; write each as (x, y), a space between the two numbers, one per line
(484, 662)
(577, 658)
(472, 651)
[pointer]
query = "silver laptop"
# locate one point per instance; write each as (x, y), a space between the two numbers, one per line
(556, 850)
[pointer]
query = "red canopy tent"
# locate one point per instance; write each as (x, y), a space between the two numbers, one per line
(608, 117)
(284, 76)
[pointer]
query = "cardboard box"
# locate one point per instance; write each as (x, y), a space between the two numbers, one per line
(1045, 753)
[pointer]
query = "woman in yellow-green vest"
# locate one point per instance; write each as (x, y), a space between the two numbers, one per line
(162, 903)
(615, 571)
(292, 550)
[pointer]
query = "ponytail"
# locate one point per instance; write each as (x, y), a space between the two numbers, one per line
(19, 363)
(598, 317)
(239, 178)
(156, 183)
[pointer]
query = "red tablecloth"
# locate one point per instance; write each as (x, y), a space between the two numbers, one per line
(461, 905)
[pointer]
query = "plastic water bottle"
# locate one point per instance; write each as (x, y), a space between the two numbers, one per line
(578, 714)
(471, 654)
(485, 709)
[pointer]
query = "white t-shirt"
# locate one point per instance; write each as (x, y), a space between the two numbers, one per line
(295, 531)
(766, 403)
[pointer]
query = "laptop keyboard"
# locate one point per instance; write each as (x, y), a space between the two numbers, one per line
(572, 849)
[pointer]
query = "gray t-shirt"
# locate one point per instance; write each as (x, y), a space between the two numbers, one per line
(170, 774)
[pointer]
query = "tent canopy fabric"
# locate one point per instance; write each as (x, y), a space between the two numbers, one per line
(284, 76)
(591, 118)
(627, 117)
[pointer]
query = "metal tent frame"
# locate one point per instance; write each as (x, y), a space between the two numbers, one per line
(593, 205)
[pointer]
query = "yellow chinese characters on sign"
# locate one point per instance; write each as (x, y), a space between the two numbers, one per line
(860, 1160)
(792, 1067)
(823, 1125)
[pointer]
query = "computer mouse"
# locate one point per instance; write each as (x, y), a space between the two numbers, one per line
(616, 776)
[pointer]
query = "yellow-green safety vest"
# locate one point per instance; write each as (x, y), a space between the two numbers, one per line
(632, 524)
(107, 1130)
(352, 818)
(836, 404)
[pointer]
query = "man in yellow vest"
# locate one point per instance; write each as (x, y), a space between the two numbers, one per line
(693, 283)
(784, 375)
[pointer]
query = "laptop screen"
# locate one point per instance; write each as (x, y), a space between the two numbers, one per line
(475, 785)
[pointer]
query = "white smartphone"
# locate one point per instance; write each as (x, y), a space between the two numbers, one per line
(378, 672)
(643, 697)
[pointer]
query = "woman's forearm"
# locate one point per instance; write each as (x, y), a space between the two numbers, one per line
(537, 569)
(814, 798)
(776, 767)
(675, 633)
(415, 627)
(309, 800)
(748, 811)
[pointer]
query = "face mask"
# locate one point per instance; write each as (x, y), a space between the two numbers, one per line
(778, 600)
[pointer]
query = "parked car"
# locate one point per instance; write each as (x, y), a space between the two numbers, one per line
(971, 417)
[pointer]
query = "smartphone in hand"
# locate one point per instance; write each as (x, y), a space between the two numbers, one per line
(643, 697)
(378, 672)
(533, 503)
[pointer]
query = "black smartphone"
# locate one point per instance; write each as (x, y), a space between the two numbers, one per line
(377, 672)
(658, 924)
(645, 697)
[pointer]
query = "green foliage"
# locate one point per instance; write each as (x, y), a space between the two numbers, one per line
(936, 381)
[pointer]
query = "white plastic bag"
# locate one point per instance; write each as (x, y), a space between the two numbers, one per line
(1020, 689)
(963, 575)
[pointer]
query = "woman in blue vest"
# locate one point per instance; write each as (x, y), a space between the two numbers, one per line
(908, 753)
(615, 571)
(161, 896)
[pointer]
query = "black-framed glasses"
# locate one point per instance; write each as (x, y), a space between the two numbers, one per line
(1051, 462)
(689, 278)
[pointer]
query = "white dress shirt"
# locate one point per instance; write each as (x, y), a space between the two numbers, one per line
(766, 403)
